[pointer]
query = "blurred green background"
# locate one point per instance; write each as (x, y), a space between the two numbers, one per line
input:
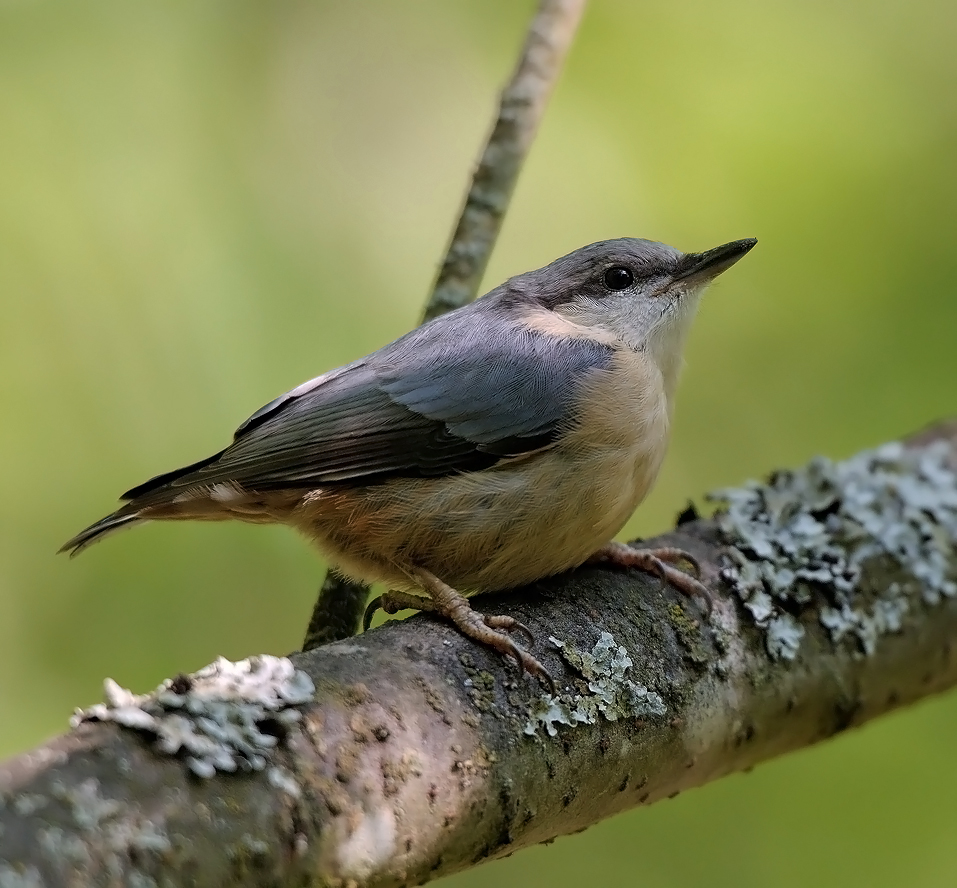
(204, 203)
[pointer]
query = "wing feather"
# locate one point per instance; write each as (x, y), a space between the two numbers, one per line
(455, 396)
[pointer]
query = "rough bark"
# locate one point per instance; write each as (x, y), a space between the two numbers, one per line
(422, 753)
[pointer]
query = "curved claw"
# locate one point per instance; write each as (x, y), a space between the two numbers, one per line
(392, 602)
(528, 663)
(692, 563)
(509, 624)
(371, 608)
(677, 556)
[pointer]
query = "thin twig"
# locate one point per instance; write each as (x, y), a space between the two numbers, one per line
(339, 607)
(550, 35)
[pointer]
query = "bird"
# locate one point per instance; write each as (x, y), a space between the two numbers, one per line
(501, 443)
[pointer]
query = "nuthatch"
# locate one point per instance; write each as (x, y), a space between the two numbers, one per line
(501, 443)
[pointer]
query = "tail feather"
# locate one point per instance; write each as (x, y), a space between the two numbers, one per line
(119, 518)
(146, 501)
(163, 482)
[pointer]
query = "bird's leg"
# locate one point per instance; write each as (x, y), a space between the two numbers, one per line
(453, 605)
(660, 563)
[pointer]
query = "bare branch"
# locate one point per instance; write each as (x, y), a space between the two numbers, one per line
(550, 35)
(421, 754)
(338, 610)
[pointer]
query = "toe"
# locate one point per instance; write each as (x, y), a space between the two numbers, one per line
(509, 624)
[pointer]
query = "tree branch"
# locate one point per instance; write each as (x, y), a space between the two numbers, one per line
(422, 754)
(341, 602)
(550, 35)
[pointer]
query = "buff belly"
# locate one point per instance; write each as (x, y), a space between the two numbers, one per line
(504, 528)
(522, 520)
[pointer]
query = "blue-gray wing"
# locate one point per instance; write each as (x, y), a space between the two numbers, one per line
(453, 396)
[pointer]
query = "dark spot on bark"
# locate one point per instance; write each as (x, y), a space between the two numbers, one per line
(567, 746)
(408, 845)
(381, 733)
(527, 819)
(789, 706)
(413, 652)
(346, 763)
(643, 798)
(504, 836)
(893, 698)
(604, 744)
(624, 783)
(845, 711)
(438, 863)
(483, 852)
(823, 514)
(433, 793)
(181, 684)
(506, 804)
(550, 769)
(299, 829)
(675, 794)
(688, 514)
(272, 727)
(355, 695)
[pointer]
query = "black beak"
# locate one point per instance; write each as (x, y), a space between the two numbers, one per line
(703, 267)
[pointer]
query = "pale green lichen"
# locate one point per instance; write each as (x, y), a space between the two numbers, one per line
(19, 877)
(282, 779)
(87, 806)
(784, 636)
(611, 694)
(799, 543)
(119, 834)
(28, 803)
(60, 845)
(223, 718)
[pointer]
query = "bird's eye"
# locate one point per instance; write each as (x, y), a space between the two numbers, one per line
(619, 278)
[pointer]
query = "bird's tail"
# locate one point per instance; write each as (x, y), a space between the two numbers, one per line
(120, 518)
(156, 498)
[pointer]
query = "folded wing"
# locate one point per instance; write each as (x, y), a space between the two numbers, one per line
(452, 397)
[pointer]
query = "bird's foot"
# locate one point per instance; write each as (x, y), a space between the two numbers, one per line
(490, 630)
(392, 602)
(659, 562)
